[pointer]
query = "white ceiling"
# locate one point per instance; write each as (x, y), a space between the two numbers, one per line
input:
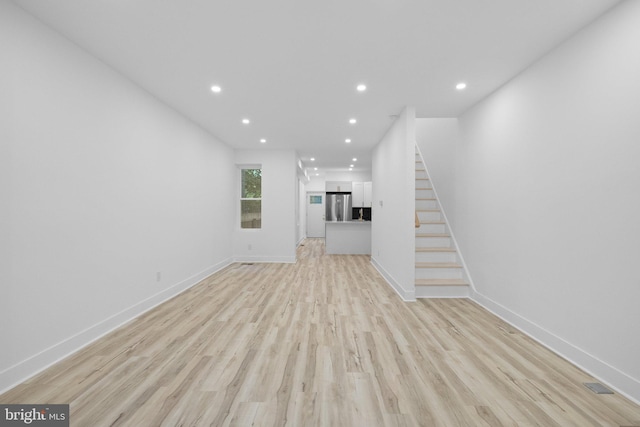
(291, 66)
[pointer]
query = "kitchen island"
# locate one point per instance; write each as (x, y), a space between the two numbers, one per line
(348, 237)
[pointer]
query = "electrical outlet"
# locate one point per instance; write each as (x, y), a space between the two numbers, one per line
(158, 276)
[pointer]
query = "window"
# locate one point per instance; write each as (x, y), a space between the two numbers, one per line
(251, 199)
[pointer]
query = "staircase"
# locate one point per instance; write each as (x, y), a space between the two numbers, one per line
(439, 272)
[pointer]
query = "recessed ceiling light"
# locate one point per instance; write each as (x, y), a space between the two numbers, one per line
(263, 140)
(246, 121)
(313, 159)
(461, 86)
(350, 169)
(354, 159)
(350, 166)
(352, 121)
(317, 174)
(347, 140)
(315, 169)
(216, 89)
(361, 87)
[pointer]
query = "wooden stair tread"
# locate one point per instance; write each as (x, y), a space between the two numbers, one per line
(432, 235)
(441, 282)
(422, 179)
(435, 250)
(438, 265)
(424, 188)
(426, 198)
(433, 222)
(427, 210)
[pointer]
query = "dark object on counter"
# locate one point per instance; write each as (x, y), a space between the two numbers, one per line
(366, 214)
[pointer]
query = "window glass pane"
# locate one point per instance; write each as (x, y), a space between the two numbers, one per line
(250, 213)
(251, 183)
(315, 200)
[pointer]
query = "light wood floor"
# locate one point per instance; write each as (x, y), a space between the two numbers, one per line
(324, 342)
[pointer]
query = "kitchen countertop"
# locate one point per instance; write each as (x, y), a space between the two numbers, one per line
(353, 221)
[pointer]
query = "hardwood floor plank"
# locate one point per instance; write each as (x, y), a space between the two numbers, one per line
(322, 342)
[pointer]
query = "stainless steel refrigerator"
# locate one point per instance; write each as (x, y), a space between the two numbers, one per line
(338, 207)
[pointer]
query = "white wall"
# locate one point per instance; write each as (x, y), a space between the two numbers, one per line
(348, 176)
(5, 193)
(301, 207)
(102, 187)
(392, 222)
(547, 199)
(437, 139)
(317, 183)
(276, 240)
(301, 212)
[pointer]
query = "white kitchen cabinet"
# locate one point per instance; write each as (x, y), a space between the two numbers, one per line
(357, 195)
(361, 195)
(368, 194)
(338, 186)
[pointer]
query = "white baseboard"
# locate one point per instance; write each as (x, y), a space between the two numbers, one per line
(605, 373)
(406, 295)
(31, 366)
(266, 259)
(442, 292)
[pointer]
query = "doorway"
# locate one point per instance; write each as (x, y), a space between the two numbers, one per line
(315, 214)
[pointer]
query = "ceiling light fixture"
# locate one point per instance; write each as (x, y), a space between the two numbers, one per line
(347, 140)
(313, 159)
(263, 140)
(361, 87)
(216, 89)
(315, 169)
(461, 86)
(352, 121)
(350, 169)
(354, 159)
(350, 166)
(246, 121)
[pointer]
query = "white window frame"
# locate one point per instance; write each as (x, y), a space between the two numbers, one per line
(241, 168)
